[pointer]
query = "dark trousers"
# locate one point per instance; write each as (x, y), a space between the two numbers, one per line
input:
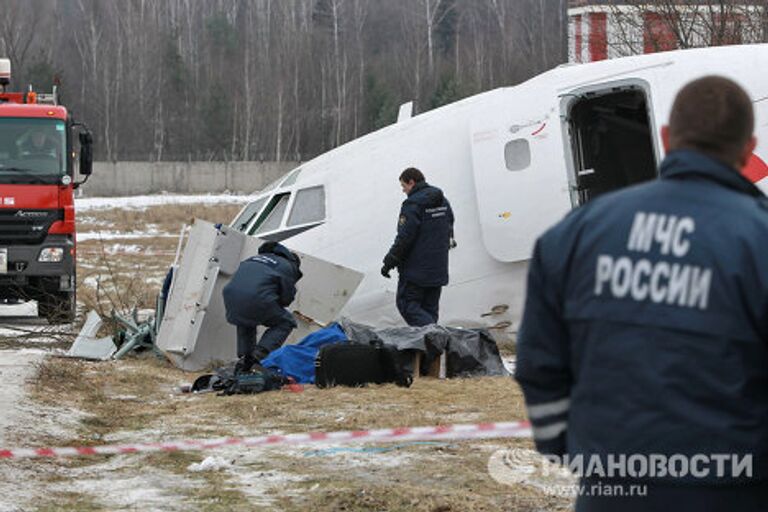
(418, 305)
(749, 497)
(278, 329)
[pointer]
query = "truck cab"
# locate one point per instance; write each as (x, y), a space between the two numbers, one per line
(38, 140)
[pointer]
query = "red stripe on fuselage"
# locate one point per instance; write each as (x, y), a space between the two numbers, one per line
(756, 169)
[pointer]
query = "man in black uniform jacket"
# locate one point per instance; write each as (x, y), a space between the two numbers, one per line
(645, 331)
(420, 250)
(258, 294)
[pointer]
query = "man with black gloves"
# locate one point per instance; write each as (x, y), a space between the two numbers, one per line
(644, 342)
(420, 251)
(258, 294)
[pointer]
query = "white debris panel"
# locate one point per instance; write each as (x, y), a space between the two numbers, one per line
(195, 333)
(88, 346)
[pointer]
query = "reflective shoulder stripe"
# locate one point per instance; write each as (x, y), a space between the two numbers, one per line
(263, 259)
(542, 410)
(550, 431)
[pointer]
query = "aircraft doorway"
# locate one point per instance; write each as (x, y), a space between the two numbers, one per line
(610, 140)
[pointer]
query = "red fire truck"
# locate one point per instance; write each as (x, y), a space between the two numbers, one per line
(38, 140)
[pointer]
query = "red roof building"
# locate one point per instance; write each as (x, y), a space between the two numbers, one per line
(599, 30)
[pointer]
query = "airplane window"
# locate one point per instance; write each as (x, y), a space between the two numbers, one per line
(517, 154)
(309, 206)
(273, 214)
(292, 177)
(248, 213)
(272, 185)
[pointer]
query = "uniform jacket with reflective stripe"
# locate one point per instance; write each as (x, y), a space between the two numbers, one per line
(424, 230)
(644, 336)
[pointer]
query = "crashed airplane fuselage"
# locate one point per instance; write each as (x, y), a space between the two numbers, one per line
(512, 161)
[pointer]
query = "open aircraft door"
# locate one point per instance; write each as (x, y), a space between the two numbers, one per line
(610, 135)
(521, 183)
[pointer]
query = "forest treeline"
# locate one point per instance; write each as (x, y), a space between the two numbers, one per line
(267, 79)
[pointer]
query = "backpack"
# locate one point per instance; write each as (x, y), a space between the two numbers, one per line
(226, 382)
(255, 381)
(354, 364)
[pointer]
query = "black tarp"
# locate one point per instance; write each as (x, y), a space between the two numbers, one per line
(469, 352)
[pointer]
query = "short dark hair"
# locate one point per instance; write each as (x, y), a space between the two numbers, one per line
(411, 174)
(713, 115)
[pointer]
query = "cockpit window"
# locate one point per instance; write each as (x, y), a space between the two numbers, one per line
(309, 206)
(273, 185)
(248, 213)
(291, 178)
(273, 214)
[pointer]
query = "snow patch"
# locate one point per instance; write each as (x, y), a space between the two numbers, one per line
(252, 474)
(30, 351)
(212, 463)
(125, 398)
(527, 467)
(142, 202)
(91, 282)
(21, 489)
(115, 235)
(116, 490)
(20, 416)
(368, 459)
(124, 249)
(259, 486)
(50, 421)
(16, 368)
(23, 309)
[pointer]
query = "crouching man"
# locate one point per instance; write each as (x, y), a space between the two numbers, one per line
(258, 294)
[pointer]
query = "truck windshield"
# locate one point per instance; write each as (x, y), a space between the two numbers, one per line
(32, 150)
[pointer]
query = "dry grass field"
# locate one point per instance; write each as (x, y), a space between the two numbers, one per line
(73, 402)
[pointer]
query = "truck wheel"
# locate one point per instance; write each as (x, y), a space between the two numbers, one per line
(57, 308)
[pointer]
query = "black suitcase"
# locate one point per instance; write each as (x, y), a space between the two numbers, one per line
(354, 364)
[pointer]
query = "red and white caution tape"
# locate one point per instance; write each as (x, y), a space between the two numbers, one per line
(453, 432)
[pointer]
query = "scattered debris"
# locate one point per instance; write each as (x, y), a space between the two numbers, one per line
(132, 334)
(135, 334)
(88, 346)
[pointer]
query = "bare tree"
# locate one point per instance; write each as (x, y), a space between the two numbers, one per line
(18, 29)
(251, 79)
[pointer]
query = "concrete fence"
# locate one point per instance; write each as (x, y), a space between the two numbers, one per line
(134, 178)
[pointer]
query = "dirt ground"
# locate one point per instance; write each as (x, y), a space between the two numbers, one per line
(123, 256)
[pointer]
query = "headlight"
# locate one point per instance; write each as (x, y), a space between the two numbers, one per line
(51, 255)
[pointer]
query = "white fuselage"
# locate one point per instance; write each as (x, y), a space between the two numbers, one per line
(505, 161)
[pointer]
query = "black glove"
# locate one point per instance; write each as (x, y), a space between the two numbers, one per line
(452, 244)
(390, 262)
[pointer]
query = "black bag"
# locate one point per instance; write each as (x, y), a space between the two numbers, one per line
(353, 364)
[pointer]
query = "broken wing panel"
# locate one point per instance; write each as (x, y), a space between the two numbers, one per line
(195, 333)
